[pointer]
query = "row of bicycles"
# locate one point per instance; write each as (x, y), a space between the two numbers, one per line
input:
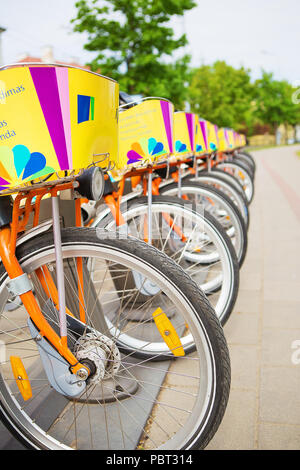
(123, 227)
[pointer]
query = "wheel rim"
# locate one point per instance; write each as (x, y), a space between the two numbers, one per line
(229, 191)
(218, 285)
(218, 208)
(56, 436)
(241, 175)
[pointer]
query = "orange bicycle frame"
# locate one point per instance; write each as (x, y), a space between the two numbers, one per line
(8, 239)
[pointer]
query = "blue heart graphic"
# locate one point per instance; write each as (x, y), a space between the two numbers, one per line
(36, 163)
(179, 146)
(158, 148)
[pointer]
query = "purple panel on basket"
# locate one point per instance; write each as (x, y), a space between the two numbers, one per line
(226, 136)
(168, 120)
(45, 82)
(216, 131)
(62, 75)
(190, 119)
(204, 132)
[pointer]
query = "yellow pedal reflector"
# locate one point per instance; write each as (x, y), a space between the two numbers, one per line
(21, 377)
(168, 332)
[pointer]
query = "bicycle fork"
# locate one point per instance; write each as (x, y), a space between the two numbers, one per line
(20, 285)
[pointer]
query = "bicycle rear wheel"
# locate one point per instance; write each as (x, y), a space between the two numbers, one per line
(248, 157)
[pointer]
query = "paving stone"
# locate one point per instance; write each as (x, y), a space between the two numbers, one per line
(242, 328)
(277, 346)
(279, 437)
(250, 280)
(244, 363)
(281, 314)
(248, 301)
(237, 430)
(279, 290)
(279, 394)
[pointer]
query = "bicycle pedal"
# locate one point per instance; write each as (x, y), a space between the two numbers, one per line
(168, 332)
(21, 377)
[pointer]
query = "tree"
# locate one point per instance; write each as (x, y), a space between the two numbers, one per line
(222, 94)
(293, 111)
(133, 40)
(274, 103)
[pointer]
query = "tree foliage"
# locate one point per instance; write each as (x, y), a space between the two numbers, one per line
(133, 41)
(274, 104)
(227, 96)
(222, 94)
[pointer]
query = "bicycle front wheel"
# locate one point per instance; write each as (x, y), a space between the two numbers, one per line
(241, 174)
(219, 206)
(194, 239)
(215, 180)
(128, 402)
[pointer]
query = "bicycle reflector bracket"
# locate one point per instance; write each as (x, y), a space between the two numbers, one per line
(91, 184)
(21, 377)
(168, 332)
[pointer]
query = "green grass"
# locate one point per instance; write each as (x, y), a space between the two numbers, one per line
(298, 153)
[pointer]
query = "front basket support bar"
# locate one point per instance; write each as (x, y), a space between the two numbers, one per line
(59, 267)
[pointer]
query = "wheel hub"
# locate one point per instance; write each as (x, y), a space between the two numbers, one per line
(101, 352)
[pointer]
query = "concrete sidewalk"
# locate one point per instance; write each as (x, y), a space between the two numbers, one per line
(264, 331)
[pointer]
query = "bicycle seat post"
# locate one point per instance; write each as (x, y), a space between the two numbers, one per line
(179, 179)
(150, 207)
(59, 267)
(209, 158)
(195, 167)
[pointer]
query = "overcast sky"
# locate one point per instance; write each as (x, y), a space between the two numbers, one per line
(254, 33)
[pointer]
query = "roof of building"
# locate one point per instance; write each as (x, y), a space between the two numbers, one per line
(31, 59)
